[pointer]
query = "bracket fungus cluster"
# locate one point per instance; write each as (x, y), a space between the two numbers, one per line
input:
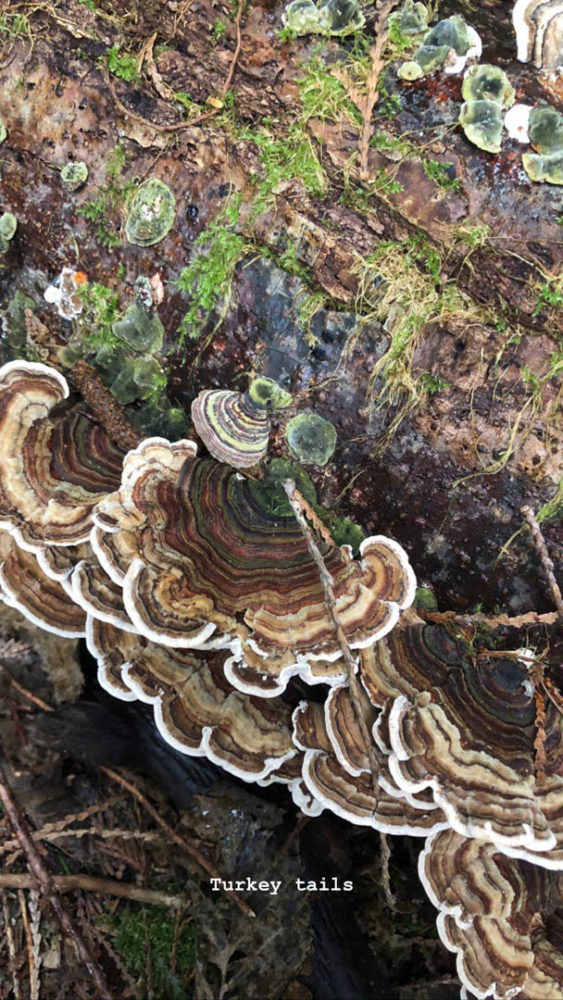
(200, 594)
(329, 17)
(449, 45)
(539, 32)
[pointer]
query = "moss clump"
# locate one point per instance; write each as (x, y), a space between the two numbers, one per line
(311, 438)
(139, 931)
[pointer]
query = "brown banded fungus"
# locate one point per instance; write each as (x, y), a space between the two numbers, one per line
(195, 708)
(55, 462)
(214, 564)
(465, 731)
(338, 784)
(502, 917)
(39, 597)
(234, 426)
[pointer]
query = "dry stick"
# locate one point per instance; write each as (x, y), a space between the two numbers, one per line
(27, 694)
(295, 500)
(28, 939)
(12, 958)
(372, 95)
(205, 115)
(494, 621)
(46, 884)
(546, 562)
(195, 854)
(103, 886)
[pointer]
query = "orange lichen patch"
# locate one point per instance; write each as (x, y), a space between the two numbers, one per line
(503, 917)
(196, 709)
(55, 463)
(464, 730)
(352, 796)
(214, 560)
(24, 585)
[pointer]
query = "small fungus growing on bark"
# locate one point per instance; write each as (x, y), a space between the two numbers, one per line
(150, 213)
(311, 438)
(449, 45)
(63, 293)
(234, 426)
(482, 123)
(329, 17)
(8, 227)
(74, 175)
(487, 83)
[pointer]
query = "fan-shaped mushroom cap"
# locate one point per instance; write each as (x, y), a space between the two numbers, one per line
(24, 585)
(195, 708)
(235, 426)
(54, 466)
(214, 560)
(352, 796)
(466, 731)
(503, 917)
(539, 32)
(232, 429)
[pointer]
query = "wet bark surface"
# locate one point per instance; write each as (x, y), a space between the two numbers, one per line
(444, 471)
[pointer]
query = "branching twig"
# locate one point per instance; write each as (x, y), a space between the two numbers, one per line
(45, 881)
(195, 854)
(365, 98)
(491, 621)
(103, 886)
(295, 500)
(546, 562)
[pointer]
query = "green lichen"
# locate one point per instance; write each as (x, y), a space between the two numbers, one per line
(448, 37)
(3, 131)
(411, 19)
(482, 123)
(140, 330)
(8, 226)
(311, 438)
(329, 17)
(487, 83)
(265, 394)
(150, 213)
(138, 378)
(545, 129)
(544, 168)
(74, 175)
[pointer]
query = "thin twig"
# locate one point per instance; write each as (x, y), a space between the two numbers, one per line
(492, 621)
(103, 886)
(294, 498)
(12, 961)
(385, 857)
(195, 854)
(46, 884)
(26, 694)
(28, 938)
(546, 562)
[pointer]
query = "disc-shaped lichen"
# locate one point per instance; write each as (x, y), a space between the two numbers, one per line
(140, 330)
(8, 226)
(311, 438)
(448, 45)
(487, 83)
(3, 131)
(74, 175)
(545, 129)
(544, 168)
(150, 214)
(482, 123)
(330, 17)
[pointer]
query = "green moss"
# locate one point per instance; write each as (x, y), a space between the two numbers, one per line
(440, 174)
(101, 209)
(208, 277)
(424, 599)
(150, 937)
(322, 95)
(550, 296)
(344, 531)
(122, 64)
